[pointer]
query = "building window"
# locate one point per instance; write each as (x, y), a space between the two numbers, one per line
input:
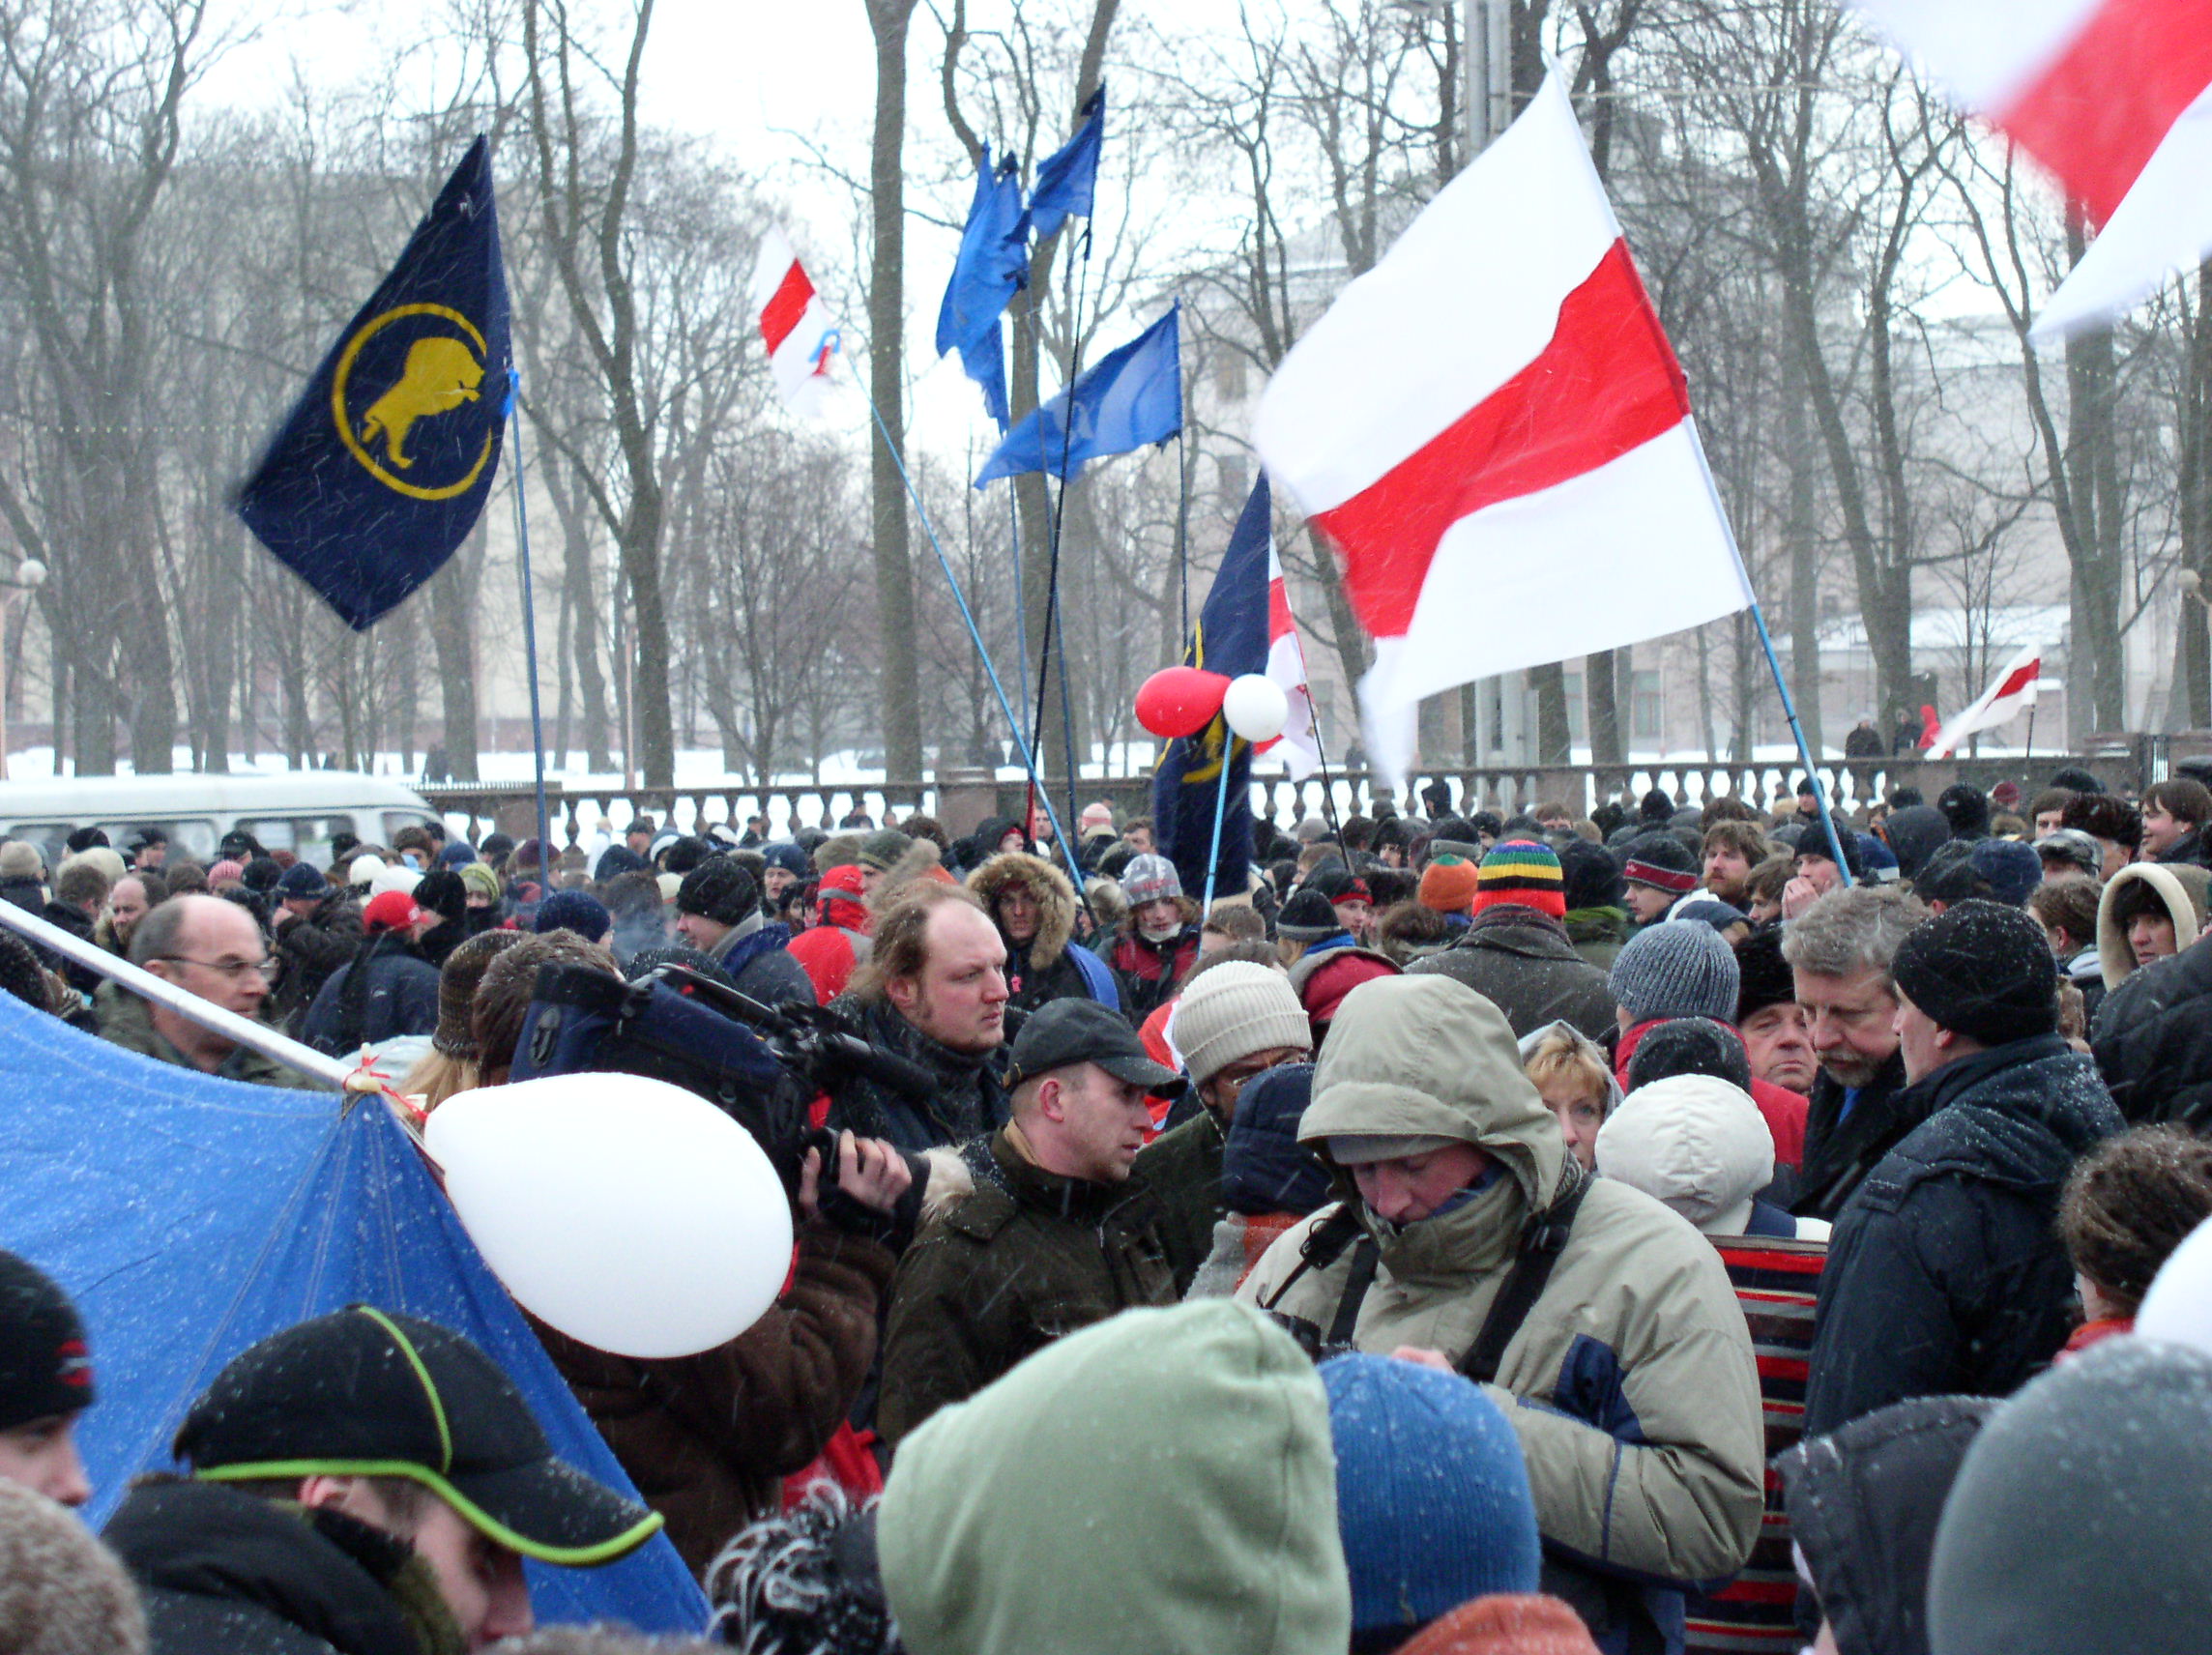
(1645, 713)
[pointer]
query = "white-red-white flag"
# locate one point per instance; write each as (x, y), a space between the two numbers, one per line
(2009, 693)
(1492, 430)
(1298, 746)
(803, 339)
(2113, 96)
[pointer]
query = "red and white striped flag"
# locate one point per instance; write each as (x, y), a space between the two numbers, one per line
(2009, 694)
(1492, 430)
(2113, 96)
(1298, 746)
(803, 339)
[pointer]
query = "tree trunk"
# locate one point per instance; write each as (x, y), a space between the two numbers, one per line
(1801, 534)
(1555, 744)
(2193, 646)
(2092, 458)
(452, 593)
(1602, 702)
(899, 688)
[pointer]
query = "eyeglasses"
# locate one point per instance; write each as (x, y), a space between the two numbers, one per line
(233, 969)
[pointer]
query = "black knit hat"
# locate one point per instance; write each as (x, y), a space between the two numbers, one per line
(442, 891)
(1967, 808)
(719, 889)
(262, 875)
(302, 883)
(1690, 1046)
(360, 1392)
(1662, 861)
(45, 1367)
(1589, 876)
(1657, 806)
(1981, 970)
(1764, 978)
(1307, 917)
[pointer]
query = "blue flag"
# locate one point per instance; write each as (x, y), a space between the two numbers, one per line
(1131, 397)
(1068, 179)
(1231, 639)
(384, 464)
(993, 266)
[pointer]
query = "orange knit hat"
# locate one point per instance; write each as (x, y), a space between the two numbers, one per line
(1506, 1623)
(1449, 887)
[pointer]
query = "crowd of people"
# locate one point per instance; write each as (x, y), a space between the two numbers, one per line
(1680, 1227)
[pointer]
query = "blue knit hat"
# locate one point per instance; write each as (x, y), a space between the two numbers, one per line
(788, 857)
(577, 910)
(1678, 969)
(1432, 1494)
(458, 854)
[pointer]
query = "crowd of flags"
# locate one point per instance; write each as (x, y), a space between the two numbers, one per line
(1489, 428)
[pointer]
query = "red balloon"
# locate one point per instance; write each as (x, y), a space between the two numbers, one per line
(1179, 701)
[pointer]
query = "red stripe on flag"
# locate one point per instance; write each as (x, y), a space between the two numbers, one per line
(2018, 680)
(1607, 383)
(2095, 116)
(1278, 610)
(793, 294)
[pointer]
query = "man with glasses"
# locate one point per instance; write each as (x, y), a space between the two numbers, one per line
(212, 949)
(1235, 1020)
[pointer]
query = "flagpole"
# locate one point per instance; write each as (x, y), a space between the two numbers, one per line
(1054, 630)
(1773, 662)
(1221, 809)
(530, 632)
(975, 635)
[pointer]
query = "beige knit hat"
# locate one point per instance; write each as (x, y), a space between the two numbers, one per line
(1231, 1011)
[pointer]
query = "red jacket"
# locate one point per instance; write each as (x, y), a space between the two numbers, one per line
(1783, 1109)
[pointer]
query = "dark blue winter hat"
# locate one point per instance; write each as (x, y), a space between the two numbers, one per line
(458, 854)
(1432, 1494)
(304, 884)
(577, 910)
(615, 862)
(788, 857)
(1263, 1166)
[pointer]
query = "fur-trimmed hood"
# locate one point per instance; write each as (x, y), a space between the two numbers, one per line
(1055, 898)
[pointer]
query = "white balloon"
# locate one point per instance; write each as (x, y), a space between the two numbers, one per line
(1256, 706)
(631, 1214)
(2178, 1308)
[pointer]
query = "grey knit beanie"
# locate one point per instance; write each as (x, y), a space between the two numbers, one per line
(1231, 1011)
(1678, 969)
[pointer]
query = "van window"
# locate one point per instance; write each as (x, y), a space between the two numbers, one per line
(394, 820)
(307, 837)
(190, 836)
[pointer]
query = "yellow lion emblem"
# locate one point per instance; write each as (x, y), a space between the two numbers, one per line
(441, 375)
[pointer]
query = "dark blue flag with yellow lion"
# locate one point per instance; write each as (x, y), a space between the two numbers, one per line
(385, 462)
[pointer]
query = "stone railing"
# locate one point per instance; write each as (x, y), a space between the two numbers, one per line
(963, 799)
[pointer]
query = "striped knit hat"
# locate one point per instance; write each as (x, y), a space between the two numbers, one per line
(1523, 873)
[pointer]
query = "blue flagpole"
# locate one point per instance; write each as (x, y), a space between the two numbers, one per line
(975, 634)
(1221, 809)
(529, 632)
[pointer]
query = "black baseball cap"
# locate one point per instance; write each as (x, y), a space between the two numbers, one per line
(366, 1393)
(45, 1367)
(1064, 1033)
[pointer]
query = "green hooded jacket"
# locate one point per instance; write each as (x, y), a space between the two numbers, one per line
(1160, 1483)
(1631, 1381)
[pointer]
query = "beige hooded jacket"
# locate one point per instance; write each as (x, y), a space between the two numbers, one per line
(1631, 1381)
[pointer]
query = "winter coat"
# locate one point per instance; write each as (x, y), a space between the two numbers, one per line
(1151, 974)
(1524, 962)
(828, 954)
(127, 1022)
(2181, 891)
(969, 1100)
(28, 894)
(1630, 1381)
(1331, 969)
(1945, 1274)
(222, 1572)
(403, 999)
(759, 961)
(309, 949)
(1050, 966)
(2152, 1038)
(1598, 934)
(1863, 1507)
(1843, 1145)
(708, 1438)
(1181, 1167)
(1006, 1270)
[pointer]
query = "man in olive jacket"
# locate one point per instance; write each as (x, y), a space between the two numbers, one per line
(1628, 1375)
(1054, 1239)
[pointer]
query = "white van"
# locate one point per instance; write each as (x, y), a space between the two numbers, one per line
(297, 811)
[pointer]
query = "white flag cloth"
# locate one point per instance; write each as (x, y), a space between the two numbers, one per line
(803, 339)
(2114, 97)
(2009, 693)
(1492, 430)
